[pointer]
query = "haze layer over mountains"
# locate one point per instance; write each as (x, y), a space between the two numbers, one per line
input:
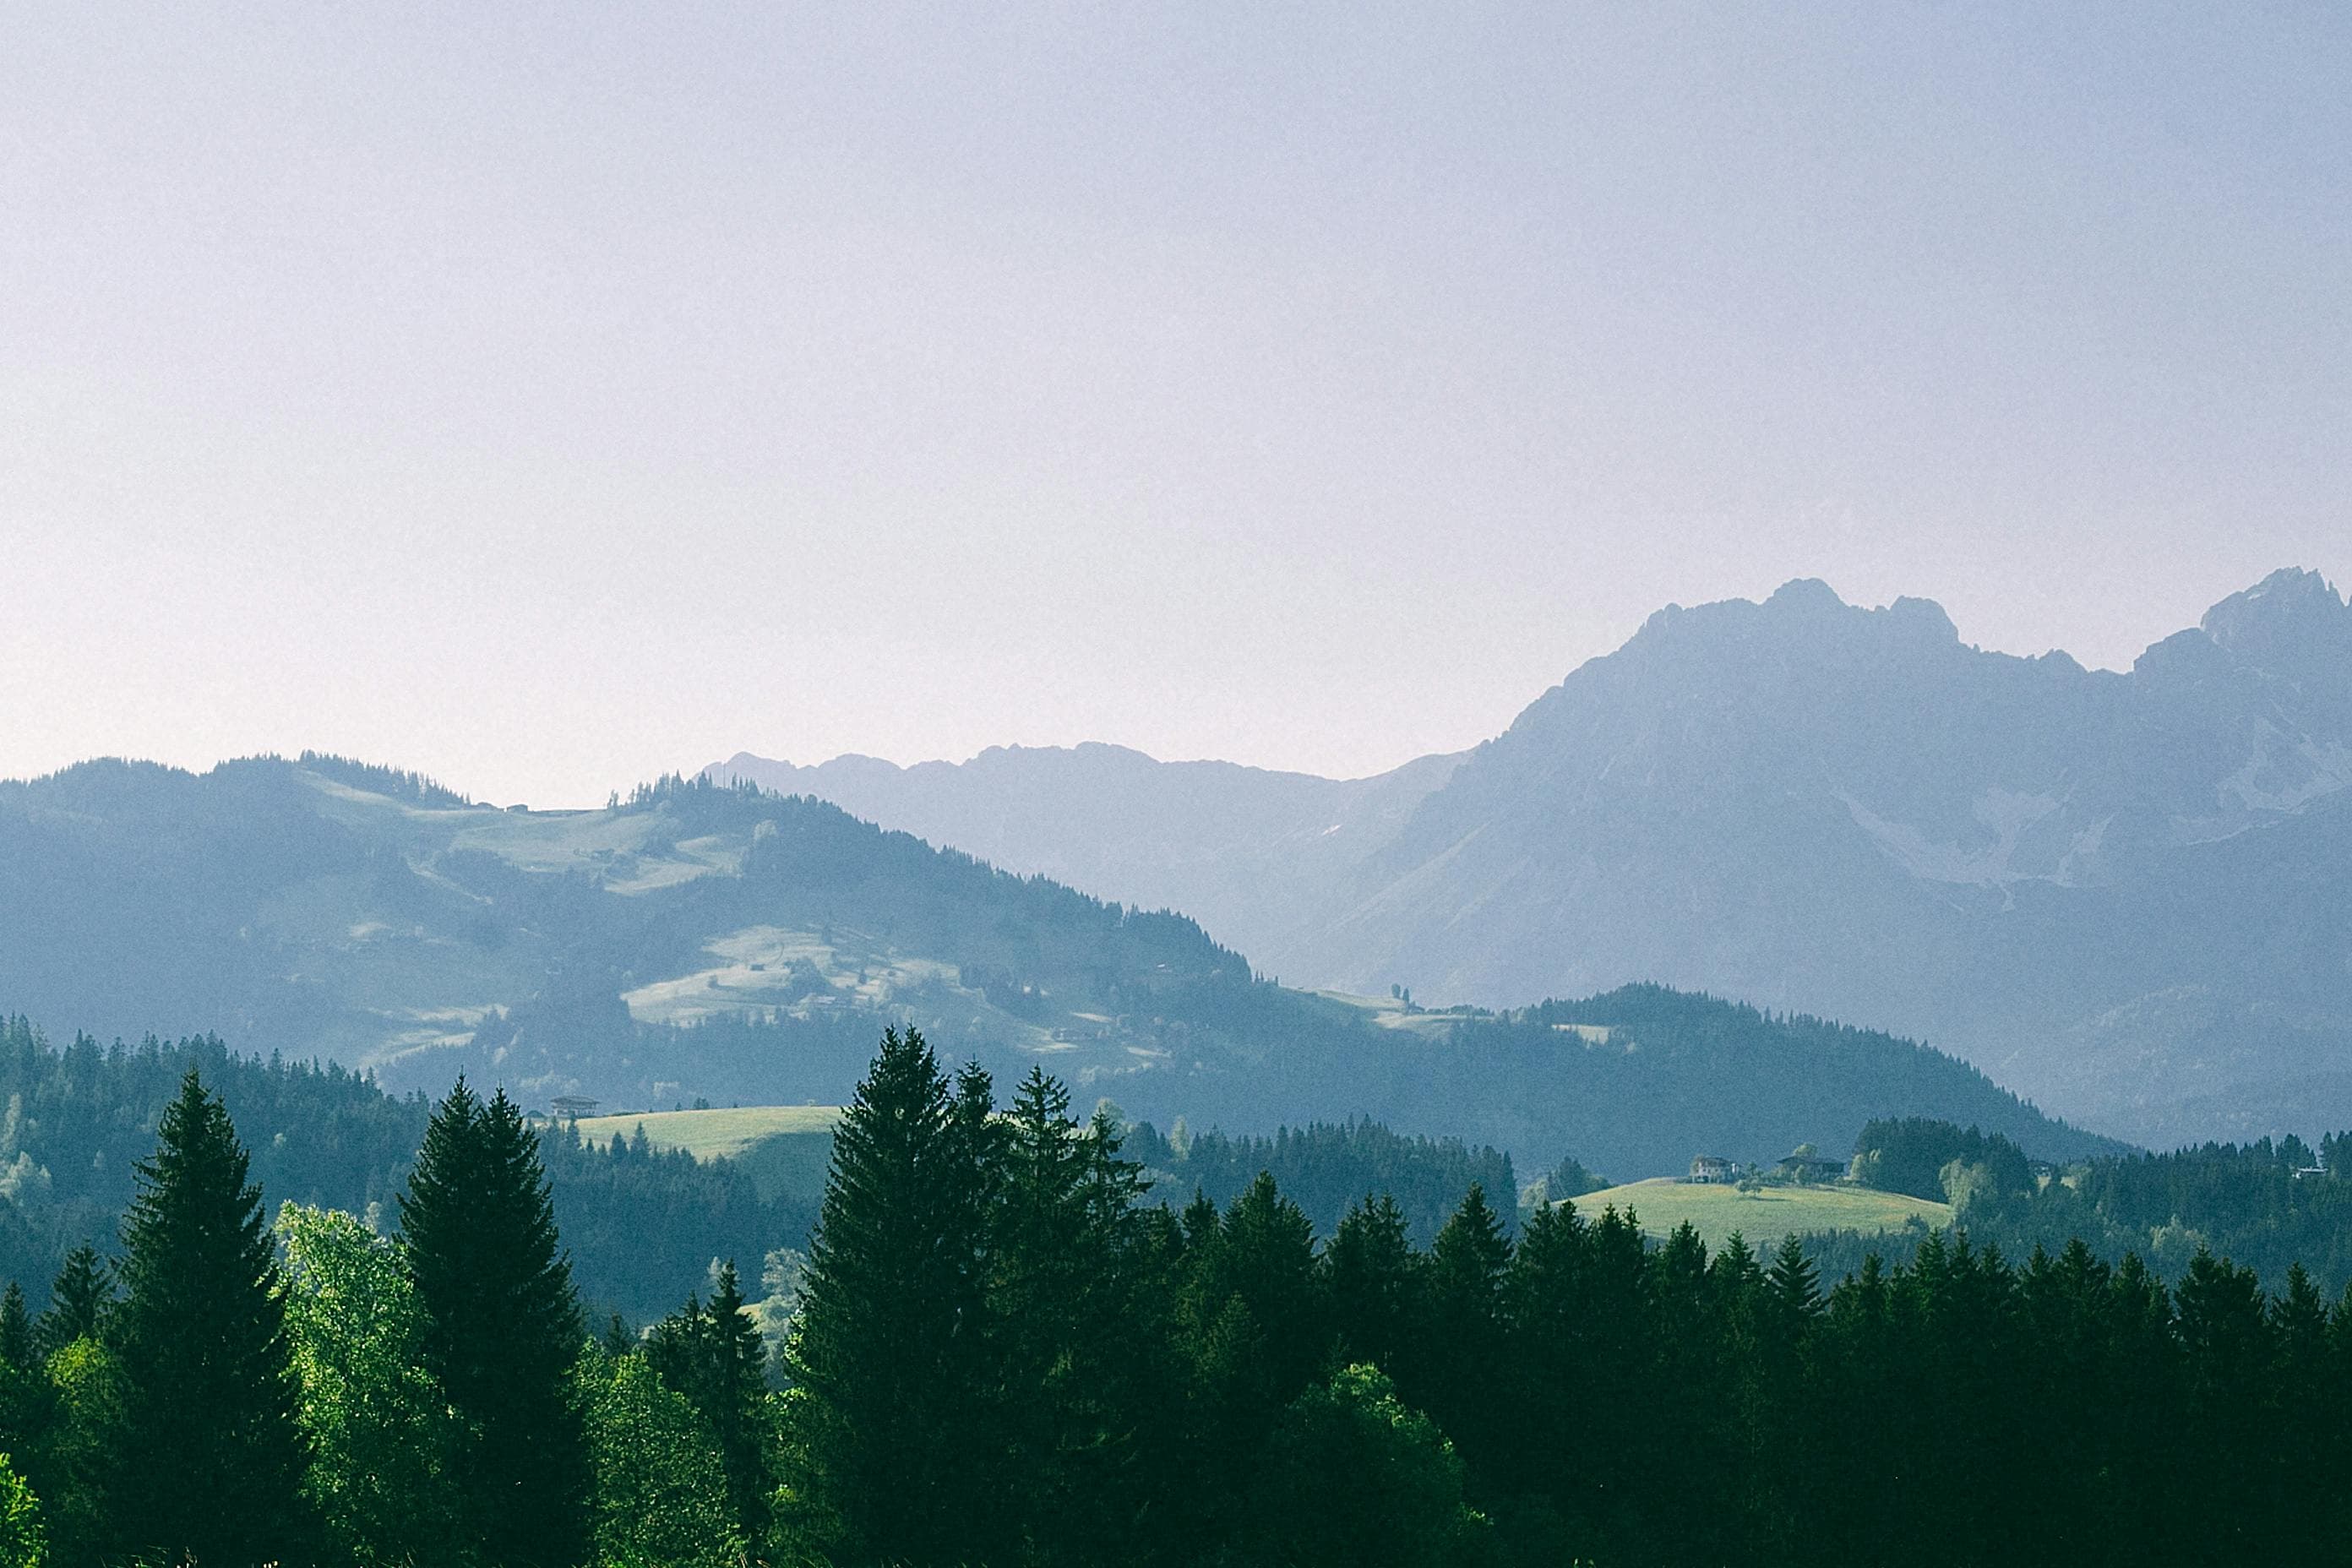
(2122, 894)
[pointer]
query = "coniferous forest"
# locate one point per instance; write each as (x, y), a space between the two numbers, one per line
(1002, 1350)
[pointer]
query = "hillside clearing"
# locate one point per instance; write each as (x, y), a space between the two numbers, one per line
(713, 1134)
(1763, 1217)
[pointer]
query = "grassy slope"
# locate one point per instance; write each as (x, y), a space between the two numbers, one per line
(1763, 1217)
(713, 1134)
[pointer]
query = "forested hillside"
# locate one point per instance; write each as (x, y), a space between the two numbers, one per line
(2269, 1206)
(1637, 1080)
(688, 942)
(699, 943)
(643, 1225)
(1250, 852)
(1326, 1170)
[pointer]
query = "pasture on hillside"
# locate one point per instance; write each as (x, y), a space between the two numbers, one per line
(1764, 1216)
(713, 1134)
(786, 1150)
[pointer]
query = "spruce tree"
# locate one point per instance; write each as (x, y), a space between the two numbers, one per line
(17, 1343)
(1374, 1278)
(734, 1402)
(27, 1398)
(714, 1358)
(1465, 1357)
(502, 1331)
(79, 1300)
(1068, 1375)
(885, 1356)
(1546, 1301)
(675, 1349)
(1793, 1287)
(1265, 1253)
(209, 1462)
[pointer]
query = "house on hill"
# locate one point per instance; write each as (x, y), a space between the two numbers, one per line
(1805, 1166)
(1711, 1168)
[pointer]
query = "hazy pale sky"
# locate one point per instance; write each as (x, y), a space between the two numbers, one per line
(550, 396)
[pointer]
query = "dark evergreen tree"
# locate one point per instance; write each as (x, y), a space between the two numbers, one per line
(885, 1358)
(27, 1397)
(502, 1330)
(17, 1347)
(1063, 1255)
(1374, 1280)
(79, 1300)
(677, 1349)
(2230, 1348)
(733, 1401)
(206, 1366)
(1460, 1370)
(713, 1357)
(1544, 1301)
(2309, 1507)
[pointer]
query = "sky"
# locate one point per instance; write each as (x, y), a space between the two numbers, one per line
(549, 397)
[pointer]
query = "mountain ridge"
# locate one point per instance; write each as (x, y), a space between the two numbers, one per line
(695, 941)
(1840, 809)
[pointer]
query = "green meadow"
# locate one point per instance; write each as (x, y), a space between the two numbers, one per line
(713, 1134)
(1763, 1217)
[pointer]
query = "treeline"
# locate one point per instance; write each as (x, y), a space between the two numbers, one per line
(1926, 1158)
(1327, 1167)
(1002, 1358)
(74, 1123)
(2271, 1206)
(1638, 1079)
(1002, 1354)
(237, 1394)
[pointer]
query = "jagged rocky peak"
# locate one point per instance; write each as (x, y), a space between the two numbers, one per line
(2292, 612)
(1805, 595)
(1804, 610)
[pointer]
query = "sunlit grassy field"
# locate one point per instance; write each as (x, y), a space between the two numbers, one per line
(1763, 1217)
(711, 1134)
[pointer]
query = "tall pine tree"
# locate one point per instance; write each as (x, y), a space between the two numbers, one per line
(887, 1357)
(1376, 1280)
(1464, 1361)
(208, 1464)
(16, 1344)
(716, 1360)
(502, 1331)
(79, 1300)
(1065, 1241)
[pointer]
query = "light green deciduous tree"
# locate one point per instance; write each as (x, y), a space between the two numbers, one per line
(661, 1489)
(381, 1432)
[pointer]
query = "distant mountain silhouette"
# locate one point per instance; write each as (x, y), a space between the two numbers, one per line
(1261, 848)
(2122, 893)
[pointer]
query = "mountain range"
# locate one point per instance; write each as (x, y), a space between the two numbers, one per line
(702, 943)
(2122, 893)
